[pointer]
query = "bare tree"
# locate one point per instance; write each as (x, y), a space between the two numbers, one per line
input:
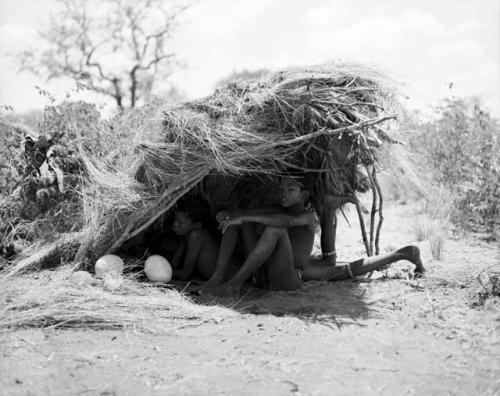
(114, 47)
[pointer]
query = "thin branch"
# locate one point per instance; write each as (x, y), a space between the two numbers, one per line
(374, 207)
(327, 131)
(380, 212)
(155, 61)
(133, 27)
(363, 228)
(155, 36)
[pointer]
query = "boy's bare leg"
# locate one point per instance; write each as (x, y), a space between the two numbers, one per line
(282, 272)
(369, 264)
(249, 237)
(195, 247)
(226, 250)
(206, 259)
(328, 224)
(363, 266)
(273, 245)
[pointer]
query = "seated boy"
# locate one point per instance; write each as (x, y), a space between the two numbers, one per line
(198, 249)
(285, 245)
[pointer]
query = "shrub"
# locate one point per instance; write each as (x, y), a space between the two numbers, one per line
(40, 187)
(11, 165)
(461, 147)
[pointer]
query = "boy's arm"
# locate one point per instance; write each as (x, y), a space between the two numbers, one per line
(263, 211)
(193, 248)
(226, 215)
(179, 254)
(273, 220)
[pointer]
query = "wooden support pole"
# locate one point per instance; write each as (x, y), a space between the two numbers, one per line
(363, 228)
(380, 212)
(374, 207)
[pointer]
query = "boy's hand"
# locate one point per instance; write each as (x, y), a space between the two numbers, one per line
(225, 224)
(222, 216)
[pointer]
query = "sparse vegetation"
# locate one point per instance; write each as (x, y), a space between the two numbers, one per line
(431, 223)
(461, 149)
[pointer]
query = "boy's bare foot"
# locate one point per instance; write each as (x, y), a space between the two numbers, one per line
(412, 254)
(225, 290)
(201, 289)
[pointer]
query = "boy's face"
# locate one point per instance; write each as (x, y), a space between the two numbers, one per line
(291, 192)
(182, 224)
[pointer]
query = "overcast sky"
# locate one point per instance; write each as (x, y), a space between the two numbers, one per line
(425, 44)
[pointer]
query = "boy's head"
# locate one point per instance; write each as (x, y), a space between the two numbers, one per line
(189, 215)
(293, 191)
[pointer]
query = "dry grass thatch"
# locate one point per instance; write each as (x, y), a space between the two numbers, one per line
(50, 255)
(51, 299)
(329, 122)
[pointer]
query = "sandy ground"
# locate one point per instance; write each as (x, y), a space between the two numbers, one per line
(385, 335)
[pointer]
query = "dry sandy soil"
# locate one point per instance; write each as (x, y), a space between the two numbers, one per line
(386, 334)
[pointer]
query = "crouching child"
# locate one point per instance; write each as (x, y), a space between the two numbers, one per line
(198, 249)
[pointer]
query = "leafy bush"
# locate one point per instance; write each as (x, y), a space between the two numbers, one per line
(11, 165)
(461, 147)
(39, 188)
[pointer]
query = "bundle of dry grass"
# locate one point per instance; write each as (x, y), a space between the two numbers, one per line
(329, 122)
(50, 299)
(37, 256)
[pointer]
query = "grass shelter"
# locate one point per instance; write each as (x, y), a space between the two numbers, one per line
(330, 122)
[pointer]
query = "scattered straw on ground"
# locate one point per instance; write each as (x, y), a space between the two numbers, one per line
(50, 299)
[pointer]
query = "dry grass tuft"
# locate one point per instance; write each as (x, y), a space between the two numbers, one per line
(50, 299)
(38, 256)
(432, 223)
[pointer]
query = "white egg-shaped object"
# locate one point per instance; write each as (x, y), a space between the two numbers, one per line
(110, 264)
(158, 269)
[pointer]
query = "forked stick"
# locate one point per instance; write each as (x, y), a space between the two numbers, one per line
(374, 207)
(380, 213)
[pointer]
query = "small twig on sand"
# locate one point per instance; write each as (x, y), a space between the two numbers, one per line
(233, 305)
(26, 341)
